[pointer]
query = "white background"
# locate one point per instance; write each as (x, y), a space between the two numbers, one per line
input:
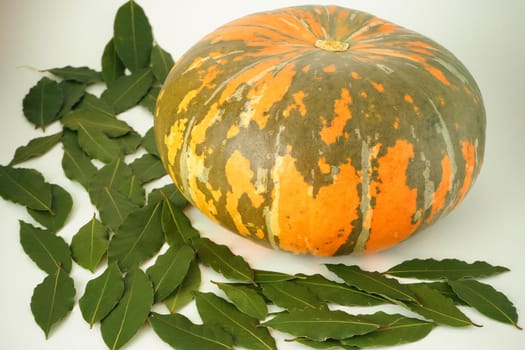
(488, 36)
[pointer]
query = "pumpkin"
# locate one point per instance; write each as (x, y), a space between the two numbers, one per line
(321, 130)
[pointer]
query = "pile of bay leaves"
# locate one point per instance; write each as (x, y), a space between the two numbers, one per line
(132, 227)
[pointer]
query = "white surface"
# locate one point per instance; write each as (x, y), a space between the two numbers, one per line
(486, 35)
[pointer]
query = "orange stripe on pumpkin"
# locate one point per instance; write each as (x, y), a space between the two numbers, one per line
(469, 155)
(440, 195)
(438, 74)
(329, 134)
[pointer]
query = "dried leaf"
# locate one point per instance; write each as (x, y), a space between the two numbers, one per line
(46, 249)
(434, 306)
(183, 295)
(150, 100)
(221, 259)
(76, 164)
(128, 90)
(148, 168)
(79, 74)
(338, 293)
(486, 300)
(451, 269)
(43, 102)
(395, 329)
(161, 63)
(245, 329)
(90, 244)
(138, 238)
(320, 325)
(263, 276)
(246, 299)
(26, 187)
(292, 296)
(176, 225)
(52, 299)
(148, 142)
(182, 334)
(73, 93)
(132, 36)
(130, 313)
(112, 66)
(35, 148)
(61, 204)
(373, 282)
(169, 270)
(102, 295)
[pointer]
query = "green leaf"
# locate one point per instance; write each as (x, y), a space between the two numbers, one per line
(43, 102)
(245, 329)
(148, 142)
(102, 295)
(129, 143)
(169, 270)
(170, 191)
(221, 259)
(113, 206)
(338, 293)
(150, 100)
(46, 249)
(176, 225)
(329, 344)
(263, 276)
(94, 104)
(292, 296)
(130, 313)
(76, 164)
(148, 168)
(79, 74)
(35, 148)
(434, 306)
(246, 299)
(128, 90)
(112, 66)
(372, 282)
(52, 299)
(183, 294)
(486, 300)
(395, 329)
(61, 205)
(73, 93)
(132, 36)
(98, 145)
(444, 289)
(182, 334)
(138, 238)
(320, 325)
(89, 244)
(81, 119)
(451, 269)
(26, 187)
(161, 63)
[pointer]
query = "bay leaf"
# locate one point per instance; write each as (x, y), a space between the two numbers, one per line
(292, 296)
(246, 299)
(52, 299)
(395, 329)
(444, 289)
(182, 334)
(138, 238)
(245, 329)
(434, 306)
(452, 269)
(161, 62)
(26, 187)
(76, 164)
(124, 321)
(176, 225)
(220, 258)
(113, 207)
(339, 293)
(90, 244)
(264, 276)
(84, 119)
(183, 294)
(169, 270)
(487, 300)
(148, 168)
(129, 143)
(73, 92)
(171, 192)
(102, 294)
(128, 90)
(43, 102)
(321, 324)
(79, 74)
(94, 104)
(329, 344)
(61, 204)
(35, 148)
(148, 142)
(132, 36)
(372, 282)
(47, 250)
(98, 145)
(149, 101)
(112, 66)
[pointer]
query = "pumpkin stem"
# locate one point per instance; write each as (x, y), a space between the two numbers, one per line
(332, 45)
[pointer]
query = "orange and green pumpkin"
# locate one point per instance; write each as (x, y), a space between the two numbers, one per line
(321, 130)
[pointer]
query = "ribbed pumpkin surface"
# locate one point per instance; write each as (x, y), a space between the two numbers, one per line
(321, 130)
